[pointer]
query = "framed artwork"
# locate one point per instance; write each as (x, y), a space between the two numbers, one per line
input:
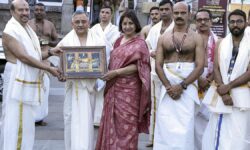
(83, 62)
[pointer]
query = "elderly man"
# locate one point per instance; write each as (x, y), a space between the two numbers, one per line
(228, 100)
(46, 32)
(203, 19)
(79, 97)
(155, 18)
(166, 24)
(179, 62)
(106, 33)
(23, 79)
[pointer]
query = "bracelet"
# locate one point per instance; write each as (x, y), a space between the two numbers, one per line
(49, 52)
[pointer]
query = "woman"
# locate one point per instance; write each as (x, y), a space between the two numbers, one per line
(127, 93)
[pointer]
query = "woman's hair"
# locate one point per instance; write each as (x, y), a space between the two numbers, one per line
(131, 15)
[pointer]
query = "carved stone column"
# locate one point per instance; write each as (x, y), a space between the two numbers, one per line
(67, 11)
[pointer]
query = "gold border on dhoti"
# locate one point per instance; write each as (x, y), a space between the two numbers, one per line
(176, 74)
(32, 82)
(27, 82)
(20, 128)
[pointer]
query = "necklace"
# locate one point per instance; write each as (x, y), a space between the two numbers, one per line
(178, 45)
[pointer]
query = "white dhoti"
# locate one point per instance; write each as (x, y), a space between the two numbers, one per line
(155, 96)
(6, 80)
(231, 132)
(18, 130)
(79, 104)
(175, 118)
(23, 91)
(41, 111)
(98, 106)
(201, 111)
(201, 119)
(78, 115)
(229, 126)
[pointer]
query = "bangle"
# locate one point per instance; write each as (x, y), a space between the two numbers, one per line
(49, 52)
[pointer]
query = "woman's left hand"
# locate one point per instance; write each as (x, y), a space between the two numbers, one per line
(109, 75)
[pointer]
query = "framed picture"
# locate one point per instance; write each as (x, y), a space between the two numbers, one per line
(84, 62)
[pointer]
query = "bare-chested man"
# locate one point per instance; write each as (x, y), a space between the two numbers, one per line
(179, 63)
(203, 19)
(44, 29)
(47, 35)
(155, 18)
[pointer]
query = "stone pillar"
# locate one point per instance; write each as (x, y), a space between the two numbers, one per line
(67, 11)
(143, 18)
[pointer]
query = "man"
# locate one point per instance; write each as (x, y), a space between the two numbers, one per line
(46, 32)
(179, 62)
(23, 89)
(229, 123)
(203, 19)
(165, 7)
(106, 33)
(155, 18)
(79, 96)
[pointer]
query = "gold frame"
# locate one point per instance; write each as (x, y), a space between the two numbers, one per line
(83, 62)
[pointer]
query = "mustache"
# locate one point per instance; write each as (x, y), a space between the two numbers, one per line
(236, 28)
(25, 16)
(179, 19)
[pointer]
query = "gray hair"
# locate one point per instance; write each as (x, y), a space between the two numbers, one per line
(78, 12)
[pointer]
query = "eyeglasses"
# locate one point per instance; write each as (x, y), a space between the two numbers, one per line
(238, 22)
(78, 22)
(202, 19)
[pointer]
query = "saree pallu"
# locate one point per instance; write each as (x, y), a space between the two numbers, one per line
(127, 98)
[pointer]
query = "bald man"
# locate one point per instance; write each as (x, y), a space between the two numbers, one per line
(179, 63)
(22, 82)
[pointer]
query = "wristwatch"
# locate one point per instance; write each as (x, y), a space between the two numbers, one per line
(183, 85)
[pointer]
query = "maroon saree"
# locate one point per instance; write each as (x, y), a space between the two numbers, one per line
(126, 109)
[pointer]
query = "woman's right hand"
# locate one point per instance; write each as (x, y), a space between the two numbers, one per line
(110, 75)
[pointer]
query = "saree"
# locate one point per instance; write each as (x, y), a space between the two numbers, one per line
(126, 111)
